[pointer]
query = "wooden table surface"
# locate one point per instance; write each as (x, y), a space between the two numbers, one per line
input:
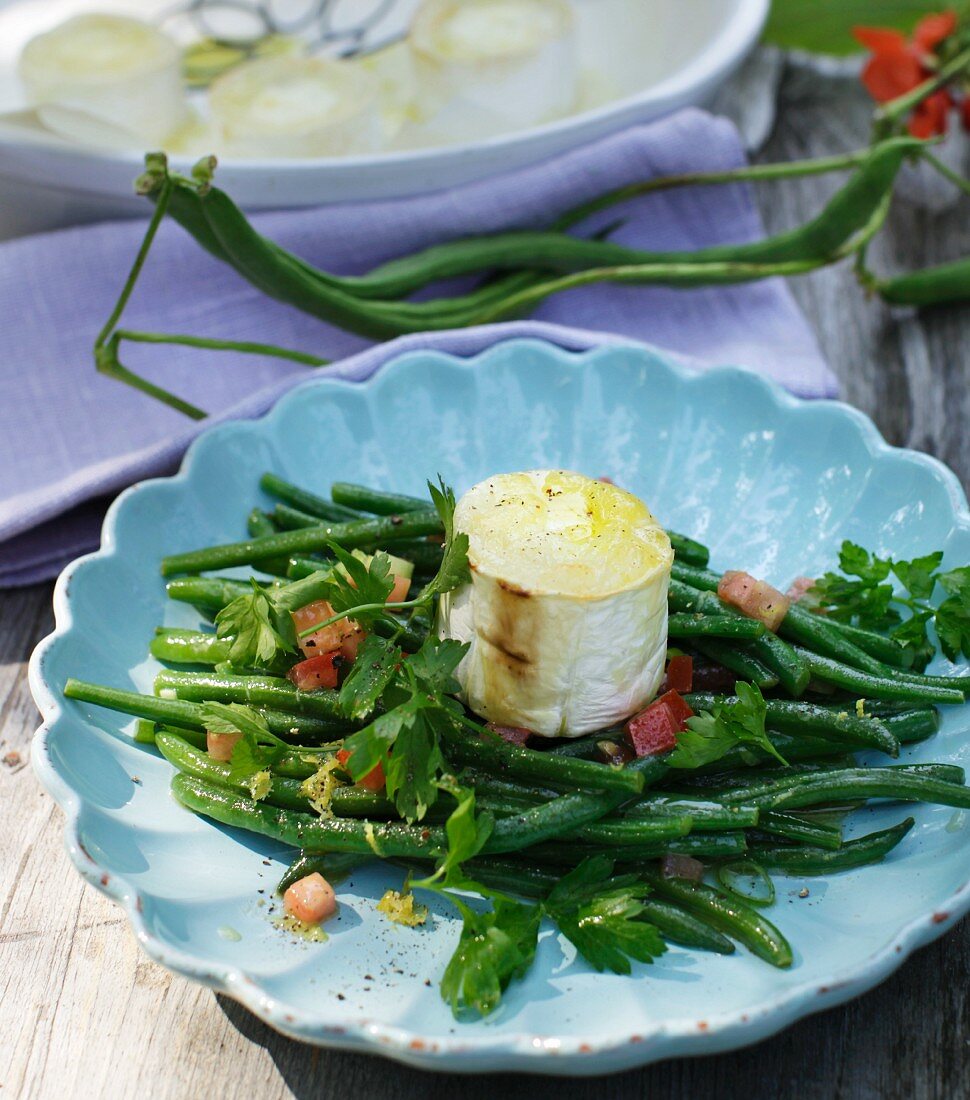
(84, 1013)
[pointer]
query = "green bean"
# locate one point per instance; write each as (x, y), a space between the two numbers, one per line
(260, 691)
(144, 732)
(739, 661)
(634, 833)
(334, 866)
(683, 625)
(184, 714)
(308, 831)
(958, 682)
(380, 503)
(793, 749)
(495, 755)
(706, 816)
(704, 580)
(309, 502)
(771, 651)
(673, 922)
(721, 845)
(876, 645)
(915, 726)
(349, 535)
(288, 518)
(688, 550)
(804, 718)
(900, 784)
(208, 594)
(258, 524)
(282, 792)
(938, 285)
(728, 915)
(818, 861)
(188, 647)
(880, 687)
(792, 827)
(298, 568)
(425, 556)
(360, 802)
(816, 634)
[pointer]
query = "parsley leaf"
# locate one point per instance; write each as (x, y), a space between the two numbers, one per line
(710, 735)
(494, 948)
(260, 631)
(466, 833)
(412, 768)
(256, 750)
(359, 584)
(434, 665)
(600, 916)
(918, 576)
(373, 669)
(453, 570)
(953, 614)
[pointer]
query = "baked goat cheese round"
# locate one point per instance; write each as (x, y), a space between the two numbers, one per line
(566, 610)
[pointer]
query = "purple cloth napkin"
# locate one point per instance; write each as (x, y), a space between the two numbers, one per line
(69, 436)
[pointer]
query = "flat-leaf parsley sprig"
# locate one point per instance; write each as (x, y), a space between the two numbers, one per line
(866, 596)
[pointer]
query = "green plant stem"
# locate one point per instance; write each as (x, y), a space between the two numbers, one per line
(891, 112)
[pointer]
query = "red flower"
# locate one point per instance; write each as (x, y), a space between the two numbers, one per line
(898, 65)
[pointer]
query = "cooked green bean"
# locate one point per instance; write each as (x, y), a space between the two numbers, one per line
(349, 535)
(208, 594)
(376, 501)
(260, 691)
(798, 718)
(682, 625)
(900, 784)
(797, 828)
(688, 550)
(495, 755)
(674, 923)
(740, 661)
(727, 914)
(705, 816)
(257, 525)
(880, 687)
(334, 866)
(635, 832)
(188, 647)
(309, 502)
(288, 518)
(184, 714)
(818, 861)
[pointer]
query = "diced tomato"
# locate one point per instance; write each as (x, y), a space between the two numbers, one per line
(514, 735)
(373, 780)
(799, 586)
(344, 635)
(399, 593)
(317, 672)
(220, 745)
(754, 598)
(311, 899)
(932, 29)
(680, 674)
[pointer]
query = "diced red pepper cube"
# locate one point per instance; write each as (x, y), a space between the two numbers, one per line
(680, 674)
(373, 781)
(514, 735)
(316, 672)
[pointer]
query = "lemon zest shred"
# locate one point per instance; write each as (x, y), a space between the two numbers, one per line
(260, 784)
(319, 788)
(860, 708)
(400, 909)
(371, 839)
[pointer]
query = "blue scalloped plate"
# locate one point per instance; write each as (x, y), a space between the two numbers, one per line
(771, 483)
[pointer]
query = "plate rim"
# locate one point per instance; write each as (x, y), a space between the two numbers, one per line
(518, 1051)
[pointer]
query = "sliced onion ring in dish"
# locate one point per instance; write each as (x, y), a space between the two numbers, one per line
(491, 66)
(105, 80)
(296, 107)
(566, 610)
